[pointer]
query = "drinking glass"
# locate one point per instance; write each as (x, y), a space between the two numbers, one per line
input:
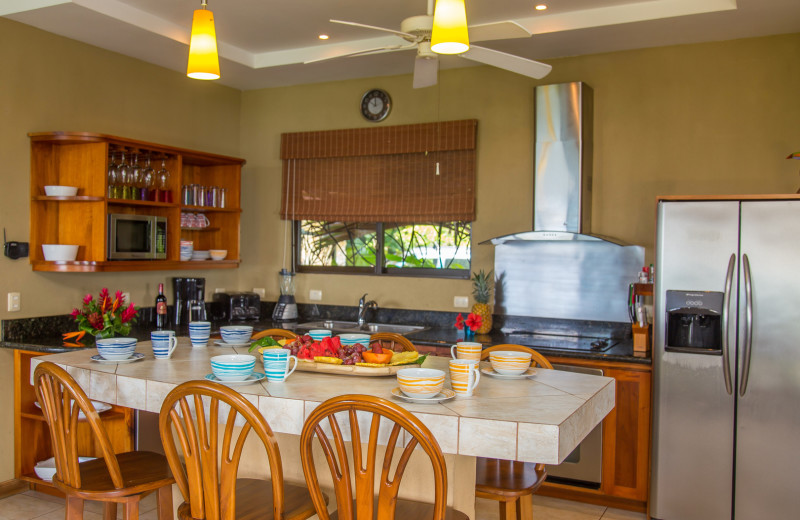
(136, 178)
(124, 174)
(113, 178)
(148, 180)
(162, 178)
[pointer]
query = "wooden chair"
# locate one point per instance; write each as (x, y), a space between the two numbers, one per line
(364, 504)
(274, 334)
(123, 478)
(206, 469)
(393, 341)
(511, 483)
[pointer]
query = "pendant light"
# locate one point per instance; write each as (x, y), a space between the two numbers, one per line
(203, 59)
(449, 34)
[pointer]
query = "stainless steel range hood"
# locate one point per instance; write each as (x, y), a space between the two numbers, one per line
(560, 269)
(562, 197)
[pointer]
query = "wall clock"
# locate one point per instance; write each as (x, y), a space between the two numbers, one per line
(375, 105)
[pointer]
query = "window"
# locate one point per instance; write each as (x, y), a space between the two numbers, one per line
(441, 250)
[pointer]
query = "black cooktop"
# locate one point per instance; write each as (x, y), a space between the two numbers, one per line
(537, 339)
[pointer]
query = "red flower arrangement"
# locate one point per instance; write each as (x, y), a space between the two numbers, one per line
(473, 322)
(105, 317)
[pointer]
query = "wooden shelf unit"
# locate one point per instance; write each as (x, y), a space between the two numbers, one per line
(32, 437)
(81, 159)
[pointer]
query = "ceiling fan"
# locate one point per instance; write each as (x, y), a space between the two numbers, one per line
(416, 31)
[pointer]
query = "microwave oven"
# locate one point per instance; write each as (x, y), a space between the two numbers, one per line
(136, 237)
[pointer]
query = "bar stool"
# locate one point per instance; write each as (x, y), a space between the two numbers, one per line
(511, 483)
(206, 467)
(274, 334)
(123, 478)
(393, 341)
(364, 503)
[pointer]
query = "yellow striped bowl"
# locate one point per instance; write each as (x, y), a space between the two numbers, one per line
(421, 383)
(510, 362)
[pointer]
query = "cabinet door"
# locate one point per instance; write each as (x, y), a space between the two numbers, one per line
(626, 436)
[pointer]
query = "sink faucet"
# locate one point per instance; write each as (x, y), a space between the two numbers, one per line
(363, 306)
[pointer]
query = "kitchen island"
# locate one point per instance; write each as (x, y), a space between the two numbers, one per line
(540, 419)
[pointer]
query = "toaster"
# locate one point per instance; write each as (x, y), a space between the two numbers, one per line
(238, 306)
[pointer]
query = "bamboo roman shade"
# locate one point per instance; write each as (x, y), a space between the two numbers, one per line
(386, 174)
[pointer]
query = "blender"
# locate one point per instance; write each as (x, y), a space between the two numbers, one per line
(286, 308)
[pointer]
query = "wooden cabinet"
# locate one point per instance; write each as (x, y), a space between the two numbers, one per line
(32, 437)
(82, 160)
(626, 440)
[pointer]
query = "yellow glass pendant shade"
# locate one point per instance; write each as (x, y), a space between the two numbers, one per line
(450, 27)
(203, 60)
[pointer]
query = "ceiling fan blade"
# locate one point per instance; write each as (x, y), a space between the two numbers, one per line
(426, 71)
(361, 52)
(365, 26)
(510, 62)
(497, 31)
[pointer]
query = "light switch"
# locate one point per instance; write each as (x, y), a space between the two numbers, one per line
(126, 296)
(315, 295)
(13, 302)
(260, 291)
(461, 302)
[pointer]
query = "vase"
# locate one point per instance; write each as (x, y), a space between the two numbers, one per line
(469, 335)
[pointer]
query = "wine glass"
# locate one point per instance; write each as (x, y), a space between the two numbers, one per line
(162, 178)
(136, 177)
(148, 180)
(124, 174)
(113, 178)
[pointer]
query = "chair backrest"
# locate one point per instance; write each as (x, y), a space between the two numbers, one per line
(538, 360)
(274, 334)
(392, 341)
(62, 399)
(361, 504)
(207, 473)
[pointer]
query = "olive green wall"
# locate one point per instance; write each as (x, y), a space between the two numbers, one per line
(52, 83)
(716, 118)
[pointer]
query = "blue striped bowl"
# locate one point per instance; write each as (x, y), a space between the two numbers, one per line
(352, 339)
(319, 334)
(236, 333)
(116, 349)
(233, 367)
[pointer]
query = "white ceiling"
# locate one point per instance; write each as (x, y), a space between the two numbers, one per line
(263, 43)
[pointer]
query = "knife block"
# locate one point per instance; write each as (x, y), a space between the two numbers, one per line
(641, 338)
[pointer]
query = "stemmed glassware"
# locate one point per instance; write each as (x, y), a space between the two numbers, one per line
(149, 180)
(162, 180)
(113, 178)
(124, 175)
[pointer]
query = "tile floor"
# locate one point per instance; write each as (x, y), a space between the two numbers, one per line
(31, 505)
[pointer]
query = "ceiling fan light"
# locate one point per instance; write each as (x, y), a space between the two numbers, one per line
(449, 34)
(203, 59)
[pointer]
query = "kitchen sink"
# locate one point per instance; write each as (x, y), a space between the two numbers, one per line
(352, 326)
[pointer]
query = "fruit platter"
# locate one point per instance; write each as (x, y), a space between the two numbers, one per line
(330, 356)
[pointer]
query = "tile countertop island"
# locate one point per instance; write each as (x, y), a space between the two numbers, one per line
(539, 419)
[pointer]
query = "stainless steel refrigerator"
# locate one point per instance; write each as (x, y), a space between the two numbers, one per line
(726, 356)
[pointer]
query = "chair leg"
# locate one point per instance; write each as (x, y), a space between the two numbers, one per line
(525, 507)
(131, 511)
(507, 511)
(110, 511)
(164, 500)
(74, 508)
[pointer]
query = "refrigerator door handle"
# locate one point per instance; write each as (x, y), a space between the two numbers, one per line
(748, 324)
(726, 302)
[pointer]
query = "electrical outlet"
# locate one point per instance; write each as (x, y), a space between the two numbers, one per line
(13, 302)
(127, 297)
(315, 295)
(260, 291)
(461, 302)
(219, 290)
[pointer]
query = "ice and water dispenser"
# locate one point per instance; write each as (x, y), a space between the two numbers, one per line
(694, 322)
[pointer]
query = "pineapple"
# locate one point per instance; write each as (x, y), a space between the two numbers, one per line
(482, 292)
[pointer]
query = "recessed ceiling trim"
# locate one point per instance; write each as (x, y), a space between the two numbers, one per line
(316, 52)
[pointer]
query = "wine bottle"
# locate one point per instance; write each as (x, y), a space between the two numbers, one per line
(161, 308)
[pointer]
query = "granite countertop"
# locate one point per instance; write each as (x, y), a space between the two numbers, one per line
(44, 334)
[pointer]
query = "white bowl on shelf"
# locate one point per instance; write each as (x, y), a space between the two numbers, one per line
(59, 252)
(46, 469)
(200, 255)
(218, 254)
(60, 191)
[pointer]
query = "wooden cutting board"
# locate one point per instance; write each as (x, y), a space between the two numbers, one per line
(352, 370)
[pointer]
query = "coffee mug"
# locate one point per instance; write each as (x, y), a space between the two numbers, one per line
(466, 350)
(164, 343)
(464, 376)
(199, 332)
(201, 221)
(276, 364)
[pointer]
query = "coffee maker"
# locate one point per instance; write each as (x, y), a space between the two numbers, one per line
(190, 300)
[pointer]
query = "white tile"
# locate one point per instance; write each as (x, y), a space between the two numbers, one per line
(282, 415)
(537, 443)
(156, 393)
(103, 387)
(444, 429)
(620, 514)
(132, 392)
(23, 507)
(81, 376)
(484, 438)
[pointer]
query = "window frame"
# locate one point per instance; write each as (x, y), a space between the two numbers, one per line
(379, 269)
